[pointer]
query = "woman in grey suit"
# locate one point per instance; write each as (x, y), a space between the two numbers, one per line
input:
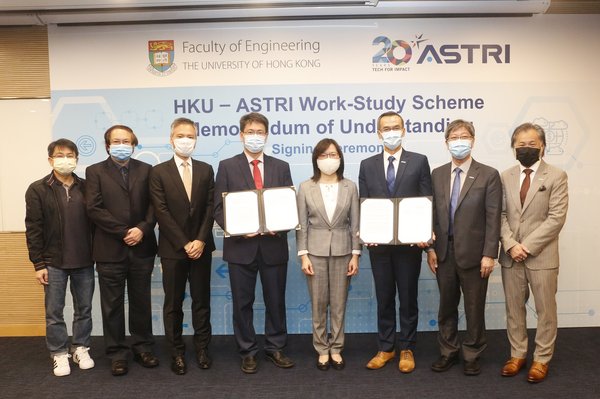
(328, 245)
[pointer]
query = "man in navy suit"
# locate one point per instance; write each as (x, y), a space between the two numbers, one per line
(182, 193)
(252, 254)
(396, 268)
(124, 247)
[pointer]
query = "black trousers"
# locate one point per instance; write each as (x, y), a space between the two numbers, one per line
(396, 269)
(136, 273)
(243, 286)
(176, 273)
(451, 281)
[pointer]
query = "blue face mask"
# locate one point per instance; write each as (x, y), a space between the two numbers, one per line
(254, 142)
(120, 152)
(392, 139)
(460, 149)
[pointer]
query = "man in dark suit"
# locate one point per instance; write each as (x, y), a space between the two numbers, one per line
(391, 174)
(467, 203)
(124, 247)
(249, 255)
(182, 193)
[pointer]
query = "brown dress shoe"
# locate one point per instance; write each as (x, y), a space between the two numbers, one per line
(407, 361)
(512, 366)
(537, 372)
(380, 359)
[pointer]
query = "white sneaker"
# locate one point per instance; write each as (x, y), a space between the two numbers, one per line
(61, 365)
(82, 358)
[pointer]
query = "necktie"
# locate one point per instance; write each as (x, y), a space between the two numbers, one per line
(525, 185)
(391, 175)
(258, 182)
(454, 199)
(125, 175)
(187, 180)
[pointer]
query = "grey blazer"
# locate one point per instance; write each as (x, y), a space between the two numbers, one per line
(537, 224)
(319, 236)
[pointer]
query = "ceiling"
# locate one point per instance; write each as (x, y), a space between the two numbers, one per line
(92, 12)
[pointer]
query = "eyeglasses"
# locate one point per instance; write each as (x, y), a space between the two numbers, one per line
(464, 137)
(257, 132)
(332, 155)
(68, 156)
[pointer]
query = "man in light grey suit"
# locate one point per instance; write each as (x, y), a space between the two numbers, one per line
(329, 247)
(534, 211)
(467, 201)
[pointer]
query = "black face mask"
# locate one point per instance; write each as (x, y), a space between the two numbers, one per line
(527, 156)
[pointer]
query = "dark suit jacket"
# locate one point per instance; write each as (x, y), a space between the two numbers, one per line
(179, 219)
(477, 216)
(234, 175)
(115, 208)
(413, 179)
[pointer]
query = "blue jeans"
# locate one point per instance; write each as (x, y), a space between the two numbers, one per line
(82, 290)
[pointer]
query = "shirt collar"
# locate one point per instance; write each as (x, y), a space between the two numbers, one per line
(120, 165)
(533, 167)
(397, 155)
(261, 158)
(464, 167)
(179, 161)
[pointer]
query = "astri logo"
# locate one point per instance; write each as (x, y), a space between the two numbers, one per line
(162, 55)
(395, 55)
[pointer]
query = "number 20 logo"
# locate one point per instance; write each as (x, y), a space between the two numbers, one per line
(386, 53)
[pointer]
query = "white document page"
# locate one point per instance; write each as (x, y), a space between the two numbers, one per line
(281, 210)
(377, 221)
(414, 220)
(241, 213)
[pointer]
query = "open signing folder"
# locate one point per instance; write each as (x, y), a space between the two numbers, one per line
(260, 211)
(396, 221)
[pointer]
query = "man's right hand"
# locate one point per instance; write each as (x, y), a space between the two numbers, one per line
(42, 276)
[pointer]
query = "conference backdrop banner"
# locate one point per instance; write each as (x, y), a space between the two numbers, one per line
(317, 79)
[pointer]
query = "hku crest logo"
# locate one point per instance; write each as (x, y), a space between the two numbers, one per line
(162, 55)
(395, 55)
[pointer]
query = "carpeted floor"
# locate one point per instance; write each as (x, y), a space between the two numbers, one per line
(25, 372)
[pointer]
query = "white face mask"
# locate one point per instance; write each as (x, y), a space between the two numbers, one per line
(64, 166)
(184, 146)
(328, 166)
(254, 142)
(392, 139)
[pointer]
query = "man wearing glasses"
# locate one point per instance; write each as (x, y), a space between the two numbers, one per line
(252, 254)
(467, 203)
(59, 243)
(395, 173)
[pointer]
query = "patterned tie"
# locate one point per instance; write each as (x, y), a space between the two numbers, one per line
(187, 180)
(525, 185)
(454, 199)
(125, 175)
(391, 175)
(258, 182)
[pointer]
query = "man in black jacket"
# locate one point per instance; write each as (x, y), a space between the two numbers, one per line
(59, 242)
(118, 202)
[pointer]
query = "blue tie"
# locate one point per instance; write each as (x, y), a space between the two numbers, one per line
(454, 199)
(391, 175)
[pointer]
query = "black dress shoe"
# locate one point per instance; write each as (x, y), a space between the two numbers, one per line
(444, 363)
(323, 366)
(119, 367)
(280, 360)
(146, 359)
(472, 368)
(204, 361)
(178, 365)
(338, 365)
(249, 365)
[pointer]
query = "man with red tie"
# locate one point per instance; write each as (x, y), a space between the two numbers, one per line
(252, 254)
(535, 209)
